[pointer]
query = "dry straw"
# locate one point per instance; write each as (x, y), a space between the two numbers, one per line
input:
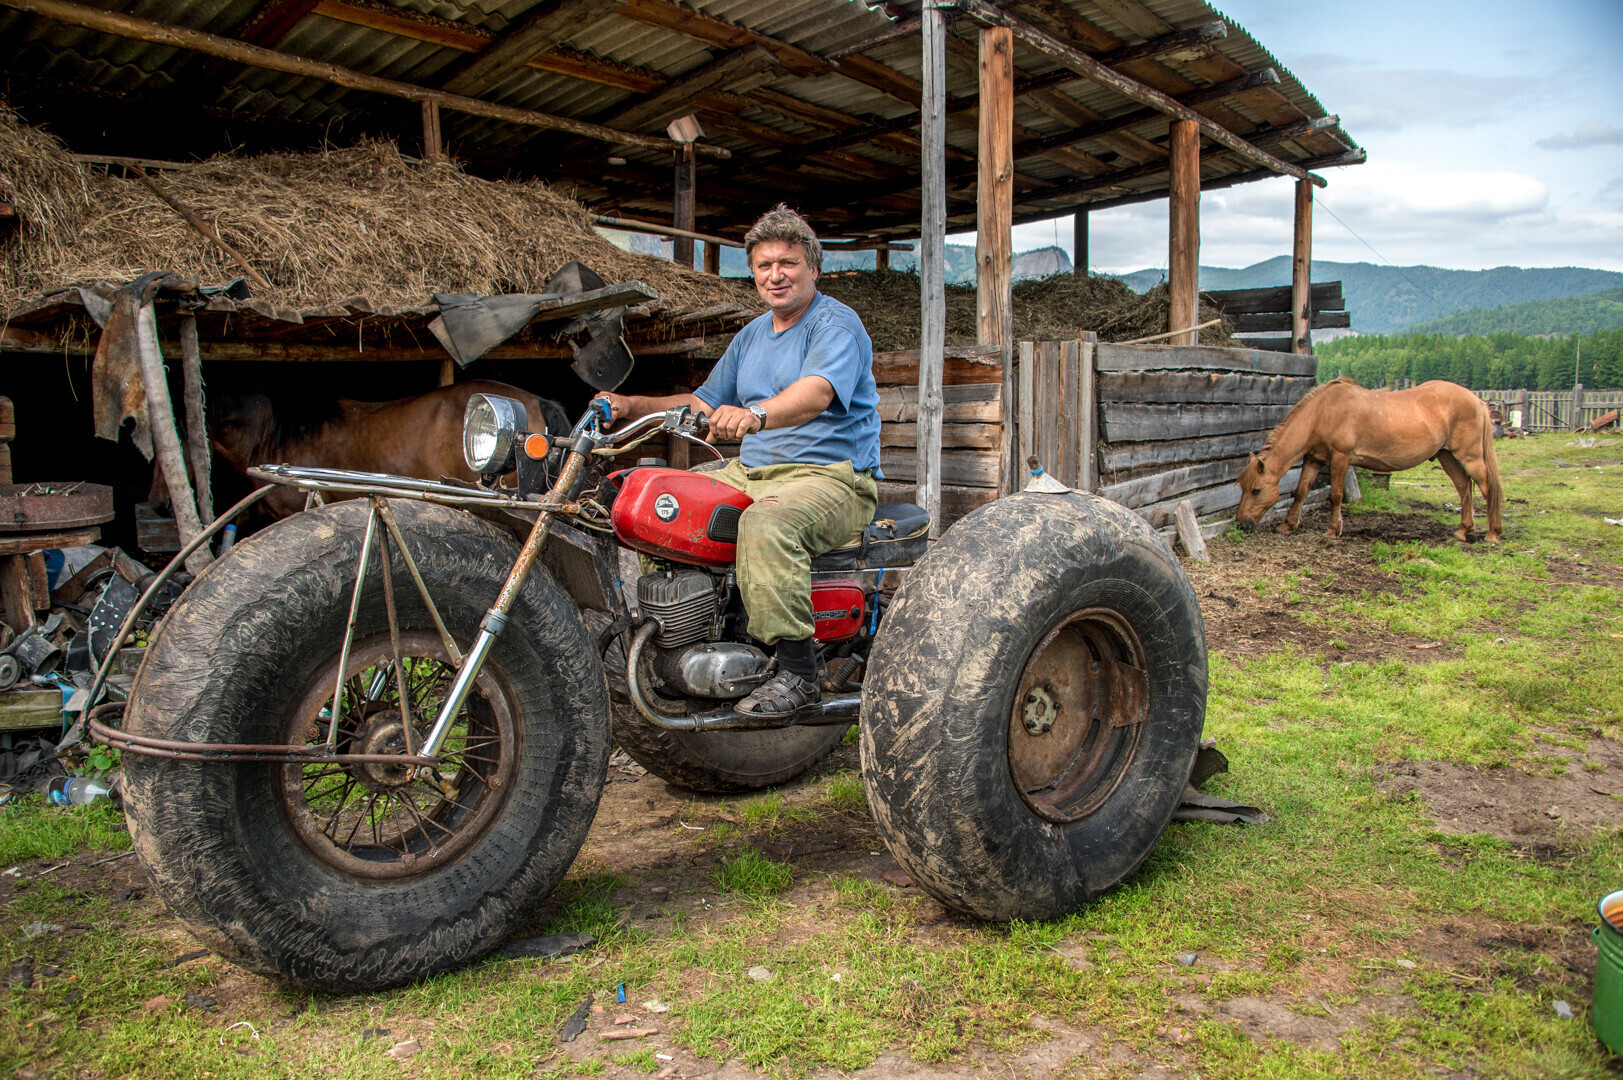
(1057, 308)
(320, 226)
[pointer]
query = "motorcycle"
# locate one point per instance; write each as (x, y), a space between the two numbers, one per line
(370, 739)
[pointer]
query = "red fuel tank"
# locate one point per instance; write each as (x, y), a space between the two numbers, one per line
(678, 515)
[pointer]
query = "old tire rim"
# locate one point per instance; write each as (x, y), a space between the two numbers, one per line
(383, 821)
(1078, 715)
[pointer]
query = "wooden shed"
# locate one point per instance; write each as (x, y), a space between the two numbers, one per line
(882, 122)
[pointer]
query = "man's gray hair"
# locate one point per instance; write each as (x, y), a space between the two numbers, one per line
(783, 225)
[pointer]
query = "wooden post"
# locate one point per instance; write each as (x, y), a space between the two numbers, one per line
(1526, 417)
(1087, 428)
(1183, 227)
(1301, 271)
(684, 215)
(8, 431)
(881, 259)
(433, 146)
(1578, 407)
(712, 260)
(166, 441)
(994, 213)
(447, 371)
(1026, 399)
(198, 451)
(932, 260)
(1194, 545)
(1079, 223)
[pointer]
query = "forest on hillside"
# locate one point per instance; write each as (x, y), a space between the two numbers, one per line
(1568, 315)
(1481, 362)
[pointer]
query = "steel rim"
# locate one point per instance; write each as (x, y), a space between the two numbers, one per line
(384, 821)
(1078, 716)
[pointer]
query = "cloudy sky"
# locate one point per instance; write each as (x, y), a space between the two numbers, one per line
(1494, 131)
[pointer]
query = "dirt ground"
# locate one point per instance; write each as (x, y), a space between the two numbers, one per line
(642, 834)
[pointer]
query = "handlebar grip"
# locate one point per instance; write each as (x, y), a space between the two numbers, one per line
(701, 422)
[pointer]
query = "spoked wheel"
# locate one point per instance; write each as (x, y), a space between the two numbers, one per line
(378, 869)
(382, 820)
(1034, 705)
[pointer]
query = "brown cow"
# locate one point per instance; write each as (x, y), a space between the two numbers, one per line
(418, 436)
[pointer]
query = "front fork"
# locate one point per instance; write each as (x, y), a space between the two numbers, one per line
(495, 620)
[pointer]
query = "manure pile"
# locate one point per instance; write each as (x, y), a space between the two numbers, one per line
(320, 226)
(1057, 308)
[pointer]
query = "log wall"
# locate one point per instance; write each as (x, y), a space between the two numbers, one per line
(1143, 425)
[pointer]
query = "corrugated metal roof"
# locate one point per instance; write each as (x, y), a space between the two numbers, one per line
(764, 131)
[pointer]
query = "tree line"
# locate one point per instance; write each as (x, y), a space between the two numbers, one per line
(1502, 361)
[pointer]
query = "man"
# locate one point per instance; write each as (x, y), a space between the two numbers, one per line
(797, 386)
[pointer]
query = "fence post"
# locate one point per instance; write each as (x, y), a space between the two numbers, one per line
(1578, 407)
(1526, 419)
(1087, 426)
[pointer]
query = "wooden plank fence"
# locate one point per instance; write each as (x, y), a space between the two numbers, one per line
(1554, 410)
(1143, 425)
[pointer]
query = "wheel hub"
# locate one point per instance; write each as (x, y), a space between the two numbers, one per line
(383, 733)
(1079, 710)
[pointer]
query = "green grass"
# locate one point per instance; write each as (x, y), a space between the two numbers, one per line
(752, 876)
(1312, 912)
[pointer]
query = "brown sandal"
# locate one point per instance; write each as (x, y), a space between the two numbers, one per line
(780, 697)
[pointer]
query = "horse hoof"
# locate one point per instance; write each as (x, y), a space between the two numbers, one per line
(1282, 530)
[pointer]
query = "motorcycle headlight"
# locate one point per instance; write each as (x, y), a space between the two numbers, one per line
(489, 428)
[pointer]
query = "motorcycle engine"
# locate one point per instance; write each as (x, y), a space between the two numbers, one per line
(684, 602)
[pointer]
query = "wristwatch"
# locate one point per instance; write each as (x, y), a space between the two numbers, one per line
(760, 414)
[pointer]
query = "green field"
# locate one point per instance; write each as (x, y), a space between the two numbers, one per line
(1434, 728)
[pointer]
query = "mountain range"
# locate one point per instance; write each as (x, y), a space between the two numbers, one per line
(1380, 299)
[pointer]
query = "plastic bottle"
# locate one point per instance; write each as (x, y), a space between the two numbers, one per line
(75, 791)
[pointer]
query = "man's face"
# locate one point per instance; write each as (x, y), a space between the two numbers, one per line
(783, 277)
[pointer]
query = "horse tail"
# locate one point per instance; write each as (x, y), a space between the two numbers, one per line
(1494, 493)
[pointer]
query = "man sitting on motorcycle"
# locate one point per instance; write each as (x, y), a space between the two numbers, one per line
(797, 386)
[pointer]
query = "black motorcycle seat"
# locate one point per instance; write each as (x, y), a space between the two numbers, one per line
(898, 536)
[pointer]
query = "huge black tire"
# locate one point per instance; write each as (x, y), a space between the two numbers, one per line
(1034, 706)
(254, 858)
(723, 762)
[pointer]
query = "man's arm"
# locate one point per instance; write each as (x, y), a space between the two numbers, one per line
(800, 401)
(635, 407)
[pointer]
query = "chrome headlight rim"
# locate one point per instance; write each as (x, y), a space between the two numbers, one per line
(490, 427)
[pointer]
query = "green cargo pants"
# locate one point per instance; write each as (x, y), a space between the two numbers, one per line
(799, 511)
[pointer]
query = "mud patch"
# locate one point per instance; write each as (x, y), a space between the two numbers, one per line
(1524, 808)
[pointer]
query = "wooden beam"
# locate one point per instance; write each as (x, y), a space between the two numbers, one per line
(1183, 229)
(1301, 271)
(898, 30)
(127, 26)
(271, 23)
(881, 258)
(994, 211)
(932, 262)
(683, 204)
(1079, 242)
(677, 96)
(1083, 64)
(433, 146)
(549, 23)
(404, 22)
(691, 23)
(712, 259)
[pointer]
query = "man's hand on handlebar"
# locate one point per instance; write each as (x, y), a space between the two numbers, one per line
(729, 423)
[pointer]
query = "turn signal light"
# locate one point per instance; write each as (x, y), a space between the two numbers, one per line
(536, 447)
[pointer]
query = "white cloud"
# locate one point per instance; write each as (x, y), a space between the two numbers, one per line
(1591, 133)
(1399, 193)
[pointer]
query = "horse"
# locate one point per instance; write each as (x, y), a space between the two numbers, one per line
(418, 436)
(1341, 424)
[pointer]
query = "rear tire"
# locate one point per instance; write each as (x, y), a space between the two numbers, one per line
(1034, 705)
(723, 762)
(246, 855)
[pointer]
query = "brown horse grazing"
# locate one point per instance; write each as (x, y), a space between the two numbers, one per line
(1341, 424)
(418, 436)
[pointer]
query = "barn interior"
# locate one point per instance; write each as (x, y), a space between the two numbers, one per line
(329, 167)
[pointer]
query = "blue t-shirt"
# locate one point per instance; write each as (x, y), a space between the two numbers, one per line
(828, 340)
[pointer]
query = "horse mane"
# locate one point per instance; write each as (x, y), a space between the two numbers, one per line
(1305, 398)
(270, 423)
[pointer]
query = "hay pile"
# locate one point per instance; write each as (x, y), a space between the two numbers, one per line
(1054, 308)
(320, 226)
